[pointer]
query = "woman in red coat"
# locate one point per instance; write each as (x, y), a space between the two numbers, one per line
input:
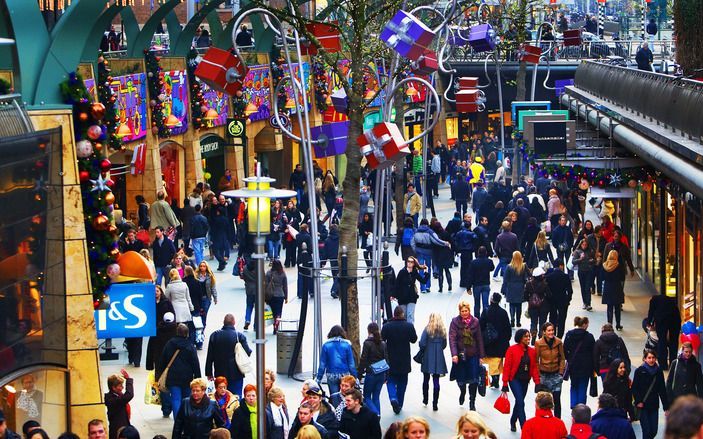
(520, 366)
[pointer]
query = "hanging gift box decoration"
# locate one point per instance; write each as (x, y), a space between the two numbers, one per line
(572, 37)
(407, 35)
(482, 38)
(382, 145)
(470, 101)
(426, 64)
(334, 139)
(327, 35)
(222, 71)
(530, 54)
(340, 101)
(459, 37)
(468, 83)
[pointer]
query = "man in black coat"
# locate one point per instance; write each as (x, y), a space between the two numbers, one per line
(461, 190)
(664, 315)
(358, 421)
(496, 332)
(220, 354)
(560, 286)
(130, 242)
(332, 254)
(198, 233)
(398, 333)
(185, 366)
(163, 253)
(305, 417)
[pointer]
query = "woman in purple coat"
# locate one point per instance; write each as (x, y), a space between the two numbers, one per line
(466, 346)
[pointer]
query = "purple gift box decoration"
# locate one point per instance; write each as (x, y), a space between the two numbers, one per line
(482, 38)
(561, 84)
(407, 35)
(459, 37)
(340, 102)
(334, 136)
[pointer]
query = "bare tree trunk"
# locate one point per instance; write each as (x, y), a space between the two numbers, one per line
(521, 92)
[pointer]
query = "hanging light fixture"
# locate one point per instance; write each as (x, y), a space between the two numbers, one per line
(211, 115)
(172, 121)
(123, 131)
(251, 109)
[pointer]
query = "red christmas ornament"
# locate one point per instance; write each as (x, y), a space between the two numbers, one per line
(105, 165)
(110, 183)
(94, 132)
(84, 176)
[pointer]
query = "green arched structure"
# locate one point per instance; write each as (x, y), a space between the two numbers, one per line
(143, 39)
(92, 44)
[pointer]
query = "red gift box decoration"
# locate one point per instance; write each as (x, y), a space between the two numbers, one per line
(327, 35)
(530, 54)
(382, 145)
(469, 101)
(426, 64)
(572, 37)
(468, 83)
(222, 71)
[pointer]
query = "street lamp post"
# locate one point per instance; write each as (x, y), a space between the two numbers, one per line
(258, 194)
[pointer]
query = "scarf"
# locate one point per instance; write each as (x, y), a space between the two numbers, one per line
(252, 420)
(467, 335)
(650, 369)
(610, 265)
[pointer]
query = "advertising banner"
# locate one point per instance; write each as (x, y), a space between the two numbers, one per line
(175, 102)
(257, 92)
(132, 312)
(288, 86)
(217, 101)
(130, 102)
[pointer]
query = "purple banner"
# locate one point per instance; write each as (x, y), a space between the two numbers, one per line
(175, 99)
(217, 101)
(288, 86)
(257, 92)
(130, 102)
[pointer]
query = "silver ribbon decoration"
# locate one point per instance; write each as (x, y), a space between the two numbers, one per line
(375, 145)
(400, 32)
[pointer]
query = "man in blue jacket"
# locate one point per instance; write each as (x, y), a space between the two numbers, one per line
(611, 421)
(198, 233)
(164, 251)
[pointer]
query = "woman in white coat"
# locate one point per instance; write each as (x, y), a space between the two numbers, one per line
(177, 292)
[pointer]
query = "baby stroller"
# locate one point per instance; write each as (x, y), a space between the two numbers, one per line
(652, 339)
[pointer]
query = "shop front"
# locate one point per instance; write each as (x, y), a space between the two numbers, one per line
(172, 156)
(212, 153)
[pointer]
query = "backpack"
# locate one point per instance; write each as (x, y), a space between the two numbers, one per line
(490, 334)
(464, 240)
(614, 353)
(408, 234)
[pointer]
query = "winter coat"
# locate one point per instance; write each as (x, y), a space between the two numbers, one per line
(273, 431)
(480, 270)
(506, 244)
(295, 428)
(117, 412)
(612, 423)
(249, 277)
(537, 286)
(198, 226)
(195, 421)
(620, 389)
(240, 428)
(328, 420)
(209, 287)
(513, 356)
(433, 361)
(514, 285)
(461, 190)
(550, 359)
(336, 358)
(457, 342)
(162, 215)
(582, 431)
(362, 425)
(195, 291)
(332, 246)
(562, 237)
(443, 256)
(543, 426)
(664, 313)
(220, 353)
(607, 349)
(371, 352)
(684, 378)
(415, 203)
(229, 405)
(425, 239)
(398, 335)
(559, 287)
(164, 333)
(279, 283)
(496, 317)
(184, 368)
(613, 293)
(578, 350)
(641, 381)
(405, 288)
(177, 292)
(163, 253)
(584, 260)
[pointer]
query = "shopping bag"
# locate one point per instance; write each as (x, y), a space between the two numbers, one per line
(502, 404)
(593, 390)
(151, 393)
(482, 378)
(268, 315)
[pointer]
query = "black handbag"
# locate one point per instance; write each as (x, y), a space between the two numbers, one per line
(482, 377)
(419, 356)
(593, 389)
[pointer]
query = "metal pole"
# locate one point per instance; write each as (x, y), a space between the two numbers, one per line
(260, 341)
(644, 19)
(343, 279)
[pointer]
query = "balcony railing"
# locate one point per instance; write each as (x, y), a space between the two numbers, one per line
(14, 120)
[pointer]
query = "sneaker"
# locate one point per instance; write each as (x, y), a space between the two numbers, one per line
(583, 307)
(246, 325)
(589, 308)
(619, 328)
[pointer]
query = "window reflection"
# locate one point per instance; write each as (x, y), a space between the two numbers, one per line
(38, 396)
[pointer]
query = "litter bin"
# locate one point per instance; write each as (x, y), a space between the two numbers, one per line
(285, 344)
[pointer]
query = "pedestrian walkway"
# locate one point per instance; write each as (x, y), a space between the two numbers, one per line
(149, 421)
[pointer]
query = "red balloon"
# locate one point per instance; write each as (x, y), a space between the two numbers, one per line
(105, 165)
(694, 339)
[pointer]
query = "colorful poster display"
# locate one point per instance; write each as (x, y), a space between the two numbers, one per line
(288, 87)
(130, 102)
(335, 83)
(257, 92)
(175, 98)
(218, 101)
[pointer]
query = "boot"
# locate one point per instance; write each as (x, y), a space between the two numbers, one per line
(473, 388)
(534, 337)
(462, 394)
(275, 326)
(435, 399)
(495, 381)
(557, 404)
(425, 392)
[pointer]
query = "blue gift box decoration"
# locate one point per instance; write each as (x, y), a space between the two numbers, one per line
(482, 38)
(334, 136)
(407, 35)
(340, 101)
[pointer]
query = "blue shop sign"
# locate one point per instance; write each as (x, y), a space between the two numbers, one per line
(132, 312)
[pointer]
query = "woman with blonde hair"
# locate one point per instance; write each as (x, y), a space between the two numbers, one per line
(415, 427)
(198, 414)
(278, 422)
(329, 191)
(466, 346)
(541, 251)
(433, 342)
(308, 432)
(208, 292)
(472, 426)
(613, 292)
(514, 287)
(179, 295)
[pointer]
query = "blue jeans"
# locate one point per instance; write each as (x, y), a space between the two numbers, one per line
(649, 420)
(409, 310)
(519, 389)
(274, 248)
(333, 384)
(198, 245)
(299, 196)
(396, 385)
(426, 259)
(586, 279)
(372, 391)
(235, 386)
(481, 293)
(166, 403)
(502, 265)
(579, 387)
(251, 300)
(177, 395)
(159, 275)
(515, 312)
(205, 304)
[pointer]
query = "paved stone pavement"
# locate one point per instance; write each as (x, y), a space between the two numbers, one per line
(149, 421)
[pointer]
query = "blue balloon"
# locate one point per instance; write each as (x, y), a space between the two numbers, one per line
(688, 328)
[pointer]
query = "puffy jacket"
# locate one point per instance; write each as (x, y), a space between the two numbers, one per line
(424, 239)
(551, 359)
(194, 421)
(578, 349)
(543, 426)
(513, 356)
(608, 348)
(336, 358)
